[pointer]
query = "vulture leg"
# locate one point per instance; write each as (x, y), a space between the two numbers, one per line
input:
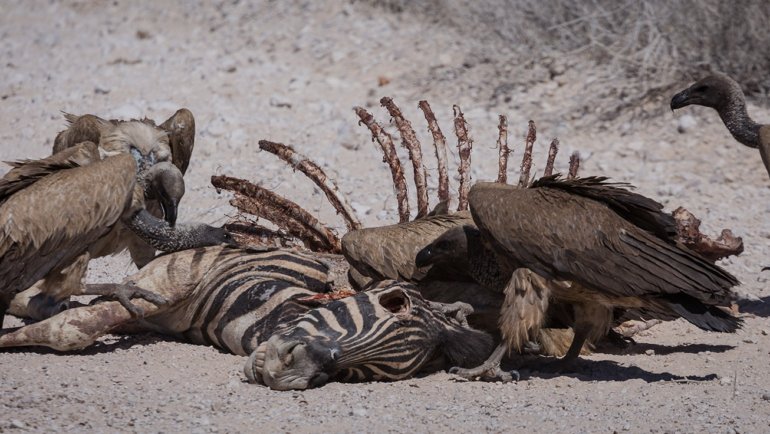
(123, 293)
(457, 310)
(490, 369)
(73, 329)
(592, 321)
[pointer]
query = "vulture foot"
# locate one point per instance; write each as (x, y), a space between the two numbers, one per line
(486, 372)
(123, 294)
(457, 310)
(489, 370)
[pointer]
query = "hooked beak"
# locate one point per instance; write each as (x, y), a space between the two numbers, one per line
(169, 207)
(680, 100)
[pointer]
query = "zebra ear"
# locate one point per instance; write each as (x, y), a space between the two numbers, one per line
(466, 347)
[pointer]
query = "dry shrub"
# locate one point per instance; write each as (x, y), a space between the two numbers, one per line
(654, 44)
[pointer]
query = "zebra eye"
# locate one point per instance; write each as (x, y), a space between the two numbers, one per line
(395, 302)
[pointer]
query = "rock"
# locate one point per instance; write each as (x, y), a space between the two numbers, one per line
(725, 381)
(686, 124)
(15, 423)
(280, 102)
(650, 352)
(766, 396)
(358, 411)
(360, 209)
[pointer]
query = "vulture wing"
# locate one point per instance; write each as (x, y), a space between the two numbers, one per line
(26, 172)
(86, 128)
(181, 136)
(48, 224)
(561, 234)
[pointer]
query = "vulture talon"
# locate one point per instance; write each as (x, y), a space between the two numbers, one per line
(486, 373)
(123, 295)
(458, 310)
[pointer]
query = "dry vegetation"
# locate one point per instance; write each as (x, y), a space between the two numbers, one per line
(645, 48)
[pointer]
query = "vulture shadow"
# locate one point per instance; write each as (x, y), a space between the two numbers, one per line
(641, 348)
(608, 370)
(760, 308)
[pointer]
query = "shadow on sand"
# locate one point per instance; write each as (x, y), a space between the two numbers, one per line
(112, 343)
(760, 308)
(607, 370)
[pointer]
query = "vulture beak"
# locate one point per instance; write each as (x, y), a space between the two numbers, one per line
(166, 184)
(169, 206)
(681, 99)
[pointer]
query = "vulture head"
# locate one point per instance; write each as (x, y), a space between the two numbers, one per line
(717, 91)
(164, 182)
(449, 248)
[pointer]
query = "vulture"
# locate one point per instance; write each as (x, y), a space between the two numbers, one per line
(58, 212)
(603, 248)
(724, 95)
(166, 149)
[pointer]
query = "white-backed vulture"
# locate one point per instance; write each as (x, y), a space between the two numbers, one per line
(609, 247)
(724, 95)
(57, 213)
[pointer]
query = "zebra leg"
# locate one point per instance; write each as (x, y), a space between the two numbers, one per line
(123, 293)
(490, 369)
(458, 310)
(72, 329)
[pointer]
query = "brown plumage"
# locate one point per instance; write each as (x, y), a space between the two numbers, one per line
(724, 95)
(165, 150)
(614, 247)
(66, 214)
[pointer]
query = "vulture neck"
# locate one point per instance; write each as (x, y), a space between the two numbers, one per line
(484, 267)
(162, 236)
(739, 123)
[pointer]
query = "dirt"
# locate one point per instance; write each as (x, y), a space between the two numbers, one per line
(291, 72)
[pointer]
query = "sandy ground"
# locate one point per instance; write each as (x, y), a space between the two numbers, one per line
(291, 72)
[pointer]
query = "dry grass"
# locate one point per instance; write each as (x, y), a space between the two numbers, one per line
(645, 46)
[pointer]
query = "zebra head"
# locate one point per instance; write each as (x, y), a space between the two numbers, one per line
(386, 333)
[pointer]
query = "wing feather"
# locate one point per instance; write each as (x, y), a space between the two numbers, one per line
(48, 224)
(563, 235)
(181, 137)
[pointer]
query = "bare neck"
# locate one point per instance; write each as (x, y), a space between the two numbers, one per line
(739, 123)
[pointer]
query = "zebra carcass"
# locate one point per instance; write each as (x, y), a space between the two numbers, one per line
(276, 305)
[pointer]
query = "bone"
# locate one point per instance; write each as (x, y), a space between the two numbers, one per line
(412, 145)
(390, 157)
(552, 151)
(464, 146)
(439, 143)
(526, 160)
(574, 165)
(249, 234)
(502, 146)
(256, 200)
(689, 234)
(317, 175)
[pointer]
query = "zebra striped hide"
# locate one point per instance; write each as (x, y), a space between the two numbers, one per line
(277, 306)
